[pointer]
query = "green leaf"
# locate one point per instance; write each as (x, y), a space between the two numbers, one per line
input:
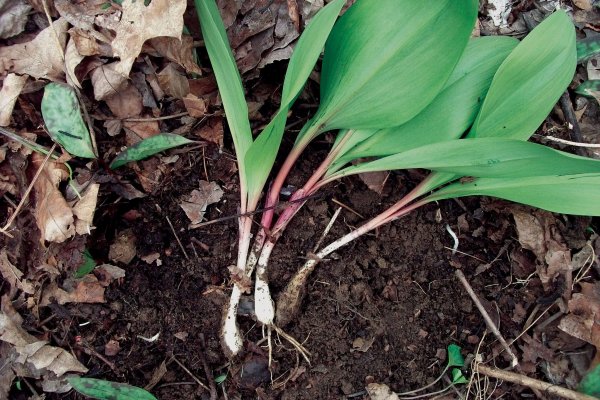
(220, 379)
(261, 154)
(61, 113)
(106, 390)
(383, 63)
(485, 157)
(229, 81)
(455, 358)
(148, 147)
(590, 384)
(88, 265)
(458, 378)
(588, 48)
(568, 194)
(530, 81)
(589, 88)
(450, 114)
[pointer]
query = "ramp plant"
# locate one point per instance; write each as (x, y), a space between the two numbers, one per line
(404, 85)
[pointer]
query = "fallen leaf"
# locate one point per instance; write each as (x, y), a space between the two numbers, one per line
(82, 15)
(212, 131)
(108, 273)
(11, 88)
(150, 258)
(583, 321)
(13, 276)
(72, 60)
(584, 4)
(87, 45)
(106, 81)
(41, 57)
(140, 130)
(112, 348)
(84, 209)
(194, 205)
(123, 249)
(139, 23)
(13, 17)
(178, 51)
(173, 82)
(362, 345)
(380, 391)
(195, 106)
(53, 215)
(126, 103)
(29, 356)
(375, 180)
(84, 290)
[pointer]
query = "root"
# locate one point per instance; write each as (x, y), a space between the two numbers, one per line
(297, 345)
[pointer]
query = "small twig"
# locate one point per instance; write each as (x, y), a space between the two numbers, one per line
(339, 203)
(91, 352)
(26, 194)
(531, 383)
(570, 143)
(149, 119)
(177, 238)
(327, 229)
(198, 381)
(491, 325)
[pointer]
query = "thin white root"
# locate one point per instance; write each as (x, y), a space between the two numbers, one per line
(232, 341)
(305, 353)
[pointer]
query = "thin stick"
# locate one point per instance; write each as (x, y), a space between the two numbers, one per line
(327, 229)
(339, 203)
(177, 238)
(570, 143)
(29, 189)
(182, 114)
(198, 381)
(535, 384)
(488, 321)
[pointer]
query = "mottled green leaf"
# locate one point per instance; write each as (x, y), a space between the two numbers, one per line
(62, 116)
(530, 81)
(148, 147)
(382, 62)
(589, 88)
(87, 266)
(106, 390)
(590, 384)
(588, 48)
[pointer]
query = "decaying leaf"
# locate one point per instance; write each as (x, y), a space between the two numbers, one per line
(84, 290)
(173, 82)
(195, 106)
(13, 276)
(108, 273)
(380, 391)
(72, 60)
(28, 356)
(53, 215)
(11, 88)
(126, 103)
(583, 321)
(194, 205)
(13, 17)
(84, 209)
(375, 180)
(123, 249)
(139, 23)
(178, 51)
(41, 58)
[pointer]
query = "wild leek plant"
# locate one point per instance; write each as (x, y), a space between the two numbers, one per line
(403, 83)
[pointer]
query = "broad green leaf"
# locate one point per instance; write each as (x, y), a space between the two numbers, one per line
(567, 194)
(458, 378)
(589, 88)
(386, 60)
(88, 265)
(229, 81)
(590, 384)
(588, 48)
(220, 379)
(455, 358)
(62, 115)
(148, 147)
(261, 154)
(450, 114)
(530, 81)
(106, 390)
(485, 157)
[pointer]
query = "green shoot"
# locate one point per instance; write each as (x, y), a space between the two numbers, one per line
(106, 390)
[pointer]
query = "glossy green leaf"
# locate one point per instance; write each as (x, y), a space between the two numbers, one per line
(451, 113)
(148, 147)
(485, 157)
(455, 358)
(530, 81)
(62, 116)
(229, 81)
(386, 60)
(106, 390)
(458, 378)
(87, 266)
(590, 384)
(567, 194)
(588, 48)
(589, 88)
(261, 154)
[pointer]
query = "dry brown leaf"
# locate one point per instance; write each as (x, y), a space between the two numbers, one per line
(139, 130)
(85, 290)
(123, 249)
(72, 60)
(82, 15)
(194, 205)
(41, 57)
(53, 215)
(13, 276)
(112, 348)
(13, 17)
(139, 23)
(212, 131)
(11, 88)
(375, 180)
(584, 4)
(84, 209)
(380, 391)
(30, 356)
(195, 106)
(126, 103)
(108, 273)
(173, 82)
(87, 45)
(107, 81)
(583, 321)
(362, 345)
(178, 51)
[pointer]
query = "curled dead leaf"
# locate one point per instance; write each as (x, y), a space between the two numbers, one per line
(194, 205)
(11, 88)
(13, 276)
(84, 209)
(13, 17)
